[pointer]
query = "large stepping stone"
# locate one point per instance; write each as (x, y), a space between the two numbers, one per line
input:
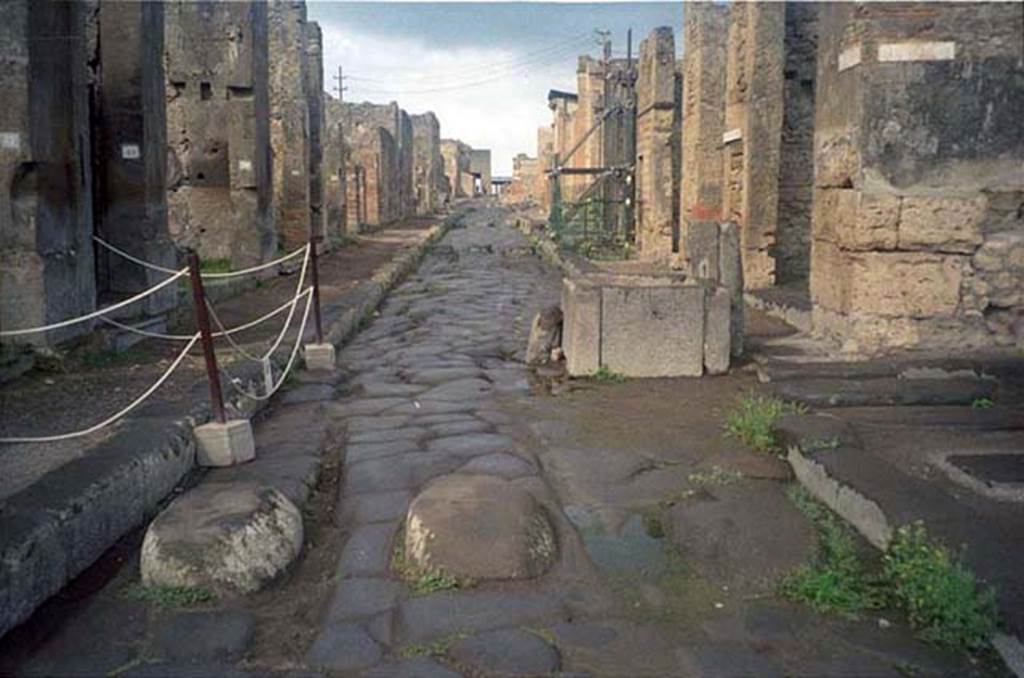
(479, 527)
(228, 538)
(507, 652)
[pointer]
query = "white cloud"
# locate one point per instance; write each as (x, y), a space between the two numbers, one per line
(501, 110)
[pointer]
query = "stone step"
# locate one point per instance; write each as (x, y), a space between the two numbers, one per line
(840, 392)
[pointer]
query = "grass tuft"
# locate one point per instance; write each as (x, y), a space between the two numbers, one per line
(836, 581)
(982, 403)
(752, 421)
(169, 596)
(606, 376)
(942, 600)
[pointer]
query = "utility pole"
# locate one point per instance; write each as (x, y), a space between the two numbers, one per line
(341, 84)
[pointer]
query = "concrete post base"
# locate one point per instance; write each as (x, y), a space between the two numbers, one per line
(225, 444)
(320, 356)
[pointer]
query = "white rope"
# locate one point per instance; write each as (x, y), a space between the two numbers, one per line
(135, 403)
(147, 333)
(291, 359)
(260, 267)
(228, 274)
(284, 329)
(140, 262)
(98, 313)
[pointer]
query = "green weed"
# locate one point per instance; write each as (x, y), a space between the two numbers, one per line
(752, 421)
(607, 376)
(436, 648)
(936, 590)
(215, 266)
(715, 476)
(982, 403)
(836, 580)
(823, 444)
(169, 596)
(424, 581)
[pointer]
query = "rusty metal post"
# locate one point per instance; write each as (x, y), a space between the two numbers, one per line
(206, 338)
(315, 275)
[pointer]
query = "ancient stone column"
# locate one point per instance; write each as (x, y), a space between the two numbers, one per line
(46, 221)
(704, 62)
(753, 132)
(130, 136)
(218, 130)
(314, 92)
(290, 122)
(656, 117)
(918, 236)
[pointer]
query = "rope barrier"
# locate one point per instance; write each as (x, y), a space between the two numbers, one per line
(96, 427)
(228, 274)
(291, 359)
(98, 313)
(136, 260)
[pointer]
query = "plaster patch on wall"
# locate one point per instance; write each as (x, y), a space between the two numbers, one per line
(849, 57)
(334, 178)
(244, 165)
(296, 173)
(10, 140)
(732, 135)
(917, 51)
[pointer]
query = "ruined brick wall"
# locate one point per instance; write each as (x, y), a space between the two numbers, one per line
(563, 122)
(428, 166)
(752, 133)
(918, 226)
(314, 93)
(337, 224)
(374, 151)
(480, 165)
(705, 26)
(46, 252)
(456, 168)
(395, 190)
(545, 156)
(525, 172)
(218, 129)
(657, 117)
(289, 121)
(792, 250)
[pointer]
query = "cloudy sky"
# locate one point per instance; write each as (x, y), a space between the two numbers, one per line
(483, 68)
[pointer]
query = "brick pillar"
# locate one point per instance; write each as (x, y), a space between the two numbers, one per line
(704, 62)
(657, 115)
(753, 132)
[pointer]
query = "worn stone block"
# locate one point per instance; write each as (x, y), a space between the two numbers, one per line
(717, 334)
(941, 224)
(730, 277)
(225, 444)
(320, 356)
(702, 250)
(653, 331)
(905, 284)
(581, 329)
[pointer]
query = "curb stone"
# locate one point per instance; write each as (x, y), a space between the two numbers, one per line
(57, 527)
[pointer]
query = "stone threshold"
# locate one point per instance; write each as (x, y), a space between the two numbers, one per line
(58, 526)
(876, 498)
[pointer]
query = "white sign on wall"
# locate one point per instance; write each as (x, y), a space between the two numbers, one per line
(10, 140)
(244, 165)
(849, 57)
(917, 51)
(131, 151)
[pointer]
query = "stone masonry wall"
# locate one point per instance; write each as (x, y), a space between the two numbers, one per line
(46, 260)
(456, 167)
(792, 251)
(918, 226)
(480, 165)
(705, 26)
(657, 116)
(218, 130)
(335, 158)
(314, 92)
(392, 182)
(752, 134)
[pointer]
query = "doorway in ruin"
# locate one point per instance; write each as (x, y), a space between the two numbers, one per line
(128, 138)
(792, 249)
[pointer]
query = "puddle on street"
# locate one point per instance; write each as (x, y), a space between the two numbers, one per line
(638, 547)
